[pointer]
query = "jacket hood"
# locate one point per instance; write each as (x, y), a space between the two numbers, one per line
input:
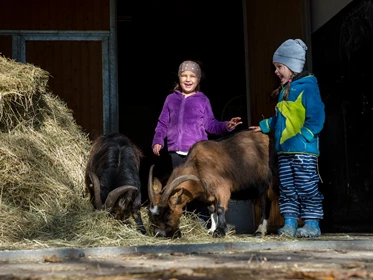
(305, 78)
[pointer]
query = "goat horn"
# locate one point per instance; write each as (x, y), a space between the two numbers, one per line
(150, 185)
(177, 181)
(114, 195)
(154, 187)
(96, 190)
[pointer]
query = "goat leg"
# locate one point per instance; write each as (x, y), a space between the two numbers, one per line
(213, 218)
(140, 225)
(265, 207)
(221, 228)
(136, 214)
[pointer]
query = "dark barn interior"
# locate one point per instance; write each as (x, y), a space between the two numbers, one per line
(342, 59)
(154, 39)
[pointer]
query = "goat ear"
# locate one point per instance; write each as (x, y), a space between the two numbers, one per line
(157, 190)
(157, 186)
(175, 198)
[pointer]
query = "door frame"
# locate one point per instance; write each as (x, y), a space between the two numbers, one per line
(108, 53)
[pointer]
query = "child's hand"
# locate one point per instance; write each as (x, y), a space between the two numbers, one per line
(156, 149)
(255, 128)
(233, 123)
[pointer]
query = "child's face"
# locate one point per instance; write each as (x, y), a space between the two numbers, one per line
(283, 72)
(188, 82)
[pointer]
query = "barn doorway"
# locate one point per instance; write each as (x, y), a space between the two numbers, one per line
(154, 38)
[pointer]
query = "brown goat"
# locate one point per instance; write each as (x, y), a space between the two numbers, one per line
(211, 172)
(112, 177)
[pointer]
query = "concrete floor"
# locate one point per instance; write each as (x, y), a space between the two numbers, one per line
(333, 256)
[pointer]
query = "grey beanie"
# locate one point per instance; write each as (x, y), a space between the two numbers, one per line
(192, 66)
(291, 53)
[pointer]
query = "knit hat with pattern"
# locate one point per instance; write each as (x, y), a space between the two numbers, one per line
(190, 66)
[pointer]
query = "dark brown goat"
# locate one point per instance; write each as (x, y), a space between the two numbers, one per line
(112, 177)
(211, 172)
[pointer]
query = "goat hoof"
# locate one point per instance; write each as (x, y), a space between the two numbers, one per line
(259, 234)
(176, 235)
(218, 233)
(143, 231)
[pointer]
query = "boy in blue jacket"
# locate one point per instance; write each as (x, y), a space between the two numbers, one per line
(297, 124)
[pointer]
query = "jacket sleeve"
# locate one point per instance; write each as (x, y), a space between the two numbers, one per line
(212, 125)
(315, 114)
(267, 125)
(162, 125)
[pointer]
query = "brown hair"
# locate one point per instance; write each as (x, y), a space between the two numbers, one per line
(277, 91)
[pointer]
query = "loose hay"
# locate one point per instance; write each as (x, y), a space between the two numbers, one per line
(43, 153)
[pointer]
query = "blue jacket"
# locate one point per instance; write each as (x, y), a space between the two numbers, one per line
(299, 119)
(186, 121)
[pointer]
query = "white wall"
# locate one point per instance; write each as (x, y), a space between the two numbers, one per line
(323, 10)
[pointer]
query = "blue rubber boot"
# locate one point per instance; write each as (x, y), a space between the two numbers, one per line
(310, 229)
(289, 228)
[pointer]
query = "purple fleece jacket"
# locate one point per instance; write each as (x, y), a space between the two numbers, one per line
(184, 121)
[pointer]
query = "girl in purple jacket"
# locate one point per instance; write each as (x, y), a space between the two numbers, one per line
(185, 119)
(187, 116)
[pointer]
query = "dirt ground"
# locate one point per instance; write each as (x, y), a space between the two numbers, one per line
(333, 256)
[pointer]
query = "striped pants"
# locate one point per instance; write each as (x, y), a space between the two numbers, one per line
(299, 192)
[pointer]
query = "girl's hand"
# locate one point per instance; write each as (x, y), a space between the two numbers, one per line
(233, 123)
(156, 149)
(255, 128)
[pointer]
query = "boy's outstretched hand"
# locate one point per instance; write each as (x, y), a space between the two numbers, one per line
(233, 123)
